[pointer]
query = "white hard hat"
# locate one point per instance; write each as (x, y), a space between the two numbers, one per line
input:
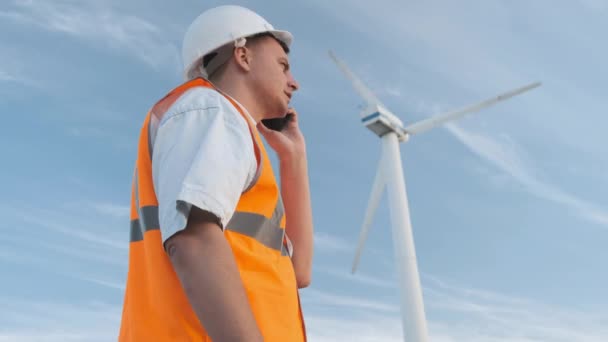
(218, 27)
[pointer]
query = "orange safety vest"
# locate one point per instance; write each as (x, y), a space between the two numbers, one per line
(155, 305)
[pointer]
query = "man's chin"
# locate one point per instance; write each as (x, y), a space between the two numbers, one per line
(276, 116)
(281, 113)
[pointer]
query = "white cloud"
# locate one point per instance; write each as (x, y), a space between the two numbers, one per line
(51, 238)
(50, 321)
(13, 256)
(327, 328)
(107, 283)
(111, 209)
(14, 76)
(511, 159)
(358, 277)
(595, 5)
(91, 22)
(87, 238)
(391, 90)
(328, 242)
(455, 313)
(97, 253)
(480, 315)
(6, 77)
(94, 238)
(444, 33)
(324, 299)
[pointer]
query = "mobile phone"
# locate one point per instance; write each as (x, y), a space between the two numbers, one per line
(278, 124)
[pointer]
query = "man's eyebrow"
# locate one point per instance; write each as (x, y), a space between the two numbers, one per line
(284, 59)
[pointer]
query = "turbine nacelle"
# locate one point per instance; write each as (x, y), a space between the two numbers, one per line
(381, 121)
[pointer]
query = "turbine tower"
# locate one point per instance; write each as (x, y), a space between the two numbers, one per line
(389, 174)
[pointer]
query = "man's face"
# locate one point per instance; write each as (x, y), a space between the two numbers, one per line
(271, 75)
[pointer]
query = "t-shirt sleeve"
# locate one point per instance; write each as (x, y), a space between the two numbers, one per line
(202, 156)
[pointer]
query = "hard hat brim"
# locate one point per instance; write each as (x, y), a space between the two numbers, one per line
(284, 36)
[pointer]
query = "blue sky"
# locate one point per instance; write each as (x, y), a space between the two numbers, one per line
(509, 206)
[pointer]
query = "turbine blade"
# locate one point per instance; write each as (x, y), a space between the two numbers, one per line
(372, 205)
(425, 125)
(360, 88)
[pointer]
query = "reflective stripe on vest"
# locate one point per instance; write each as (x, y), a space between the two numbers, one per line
(265, 231)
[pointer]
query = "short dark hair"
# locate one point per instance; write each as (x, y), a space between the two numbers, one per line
(206, 60)
(208, 57)
(268, 34)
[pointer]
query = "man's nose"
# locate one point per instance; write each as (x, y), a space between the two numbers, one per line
(293, 84)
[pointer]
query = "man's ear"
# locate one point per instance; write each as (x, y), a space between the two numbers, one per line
(242, 56)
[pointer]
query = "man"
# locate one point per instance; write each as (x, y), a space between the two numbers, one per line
(217, 250)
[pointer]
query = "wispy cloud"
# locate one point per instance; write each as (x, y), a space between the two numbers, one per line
(508, 157)
(455, 313)
(78, 235)
(370, 328)
(95, 23)
(595, 5)
(94, 238)
(393, 91)
(331, 243)
(13, 256)
(481, 315)
(6, 77)
(111, 209)
(25, 251)
(358, 277)
(14, 76)
(49, 321)
(63, 246)
(112, 284)
(325, 299)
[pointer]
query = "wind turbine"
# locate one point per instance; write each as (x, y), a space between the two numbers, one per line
(389, 174)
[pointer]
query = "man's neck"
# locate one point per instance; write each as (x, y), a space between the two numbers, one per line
(239, 92)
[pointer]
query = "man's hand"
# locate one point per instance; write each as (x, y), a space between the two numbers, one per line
(206, 268)
(288, 143)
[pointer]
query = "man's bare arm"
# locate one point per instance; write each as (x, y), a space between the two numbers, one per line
(295, 191)
(206, 268)
(290, 147)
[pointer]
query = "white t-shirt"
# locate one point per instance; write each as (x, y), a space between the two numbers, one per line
(203, 155)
